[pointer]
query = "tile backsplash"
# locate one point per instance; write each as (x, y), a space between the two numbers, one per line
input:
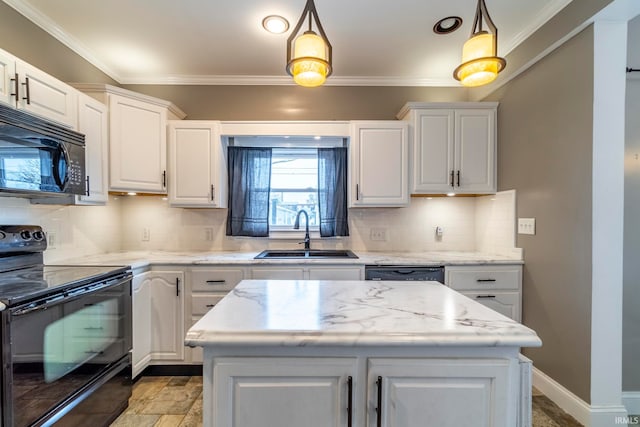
(484, 224)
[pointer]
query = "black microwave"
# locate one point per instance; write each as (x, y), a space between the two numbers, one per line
(38, 156)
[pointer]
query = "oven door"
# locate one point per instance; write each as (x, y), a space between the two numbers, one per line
(55, 346)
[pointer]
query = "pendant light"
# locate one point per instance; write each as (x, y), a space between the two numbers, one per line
(480, 61)
(309, 54)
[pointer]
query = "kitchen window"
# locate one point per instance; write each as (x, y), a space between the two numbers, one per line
(273, 178)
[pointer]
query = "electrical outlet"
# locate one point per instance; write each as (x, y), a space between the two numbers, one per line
(208, 234)
(526, 226)
(52, 240)
(146, 234)
(378, 234)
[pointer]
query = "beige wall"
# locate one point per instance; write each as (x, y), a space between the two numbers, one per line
(294, 102)
(27, 41)
(544, 152)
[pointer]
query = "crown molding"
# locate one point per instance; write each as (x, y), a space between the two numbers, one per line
(548, 12)
(56, 32)
(285, 81)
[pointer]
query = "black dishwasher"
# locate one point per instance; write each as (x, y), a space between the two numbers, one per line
(404, 272)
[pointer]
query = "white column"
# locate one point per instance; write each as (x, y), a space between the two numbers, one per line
(610, 54)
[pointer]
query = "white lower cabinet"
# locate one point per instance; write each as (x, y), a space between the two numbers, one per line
(498, 287)
(158, 318)
(334, 272)
(356, 391)
(446, 392)
(258, 392)
(167, 315)
(141, 352)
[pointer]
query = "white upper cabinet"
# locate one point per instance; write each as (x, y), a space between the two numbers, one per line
(93, 123)
(454, 147)
(7, 73)
(138, 146)
(30, 89)
(197, 166)
(379, 164)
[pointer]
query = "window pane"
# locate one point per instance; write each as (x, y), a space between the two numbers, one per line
(294, 186)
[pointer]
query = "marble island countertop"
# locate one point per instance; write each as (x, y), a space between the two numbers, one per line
(140, 259)
(354, 313)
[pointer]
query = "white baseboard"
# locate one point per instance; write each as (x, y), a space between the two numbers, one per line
(585, 414)
(631, 400)
(566, 400)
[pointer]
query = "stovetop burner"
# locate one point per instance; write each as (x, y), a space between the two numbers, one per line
(23, 276)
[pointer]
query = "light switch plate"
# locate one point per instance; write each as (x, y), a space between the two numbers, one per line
(526, 226)
(378, 234)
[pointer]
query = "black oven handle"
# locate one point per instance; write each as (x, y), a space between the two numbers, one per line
(69, 295)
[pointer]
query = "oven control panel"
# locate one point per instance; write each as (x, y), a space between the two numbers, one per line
(22, 238)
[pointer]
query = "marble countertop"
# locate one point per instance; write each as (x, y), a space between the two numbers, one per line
(354, 313)
(140, 259)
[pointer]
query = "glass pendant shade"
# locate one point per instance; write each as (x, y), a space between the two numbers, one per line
(309, 66)
(480, 63)
(309, 53)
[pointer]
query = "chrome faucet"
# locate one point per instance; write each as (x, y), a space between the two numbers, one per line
(296, 226)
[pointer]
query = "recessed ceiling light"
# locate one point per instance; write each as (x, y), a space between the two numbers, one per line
(275, 24)
(447, 25)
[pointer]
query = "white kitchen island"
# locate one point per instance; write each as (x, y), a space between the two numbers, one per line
(286, 353)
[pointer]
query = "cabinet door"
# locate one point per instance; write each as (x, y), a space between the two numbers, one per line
(92, 122)
(433, 151)
(46, 96)
(138, 146)
(336, 273)
(475, 148)
(379, 159)
(196, 170)
(446, 392)
(281, 273)
(310, 392)
(7, 73)
(167, 315)
(141, 352)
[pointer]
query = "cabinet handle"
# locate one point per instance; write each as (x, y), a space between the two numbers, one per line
(357, 192)
(458, 178)
(485, 280)
(88, 187)
(349, 401)
(451, 180)
(26, 85)
(213, 189)
(216, 282)
(210, 305)
(485, 296)
(164, 179)
(16, 86)
(379, 408)
(177, 286)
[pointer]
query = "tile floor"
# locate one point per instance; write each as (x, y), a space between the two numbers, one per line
(164, 401)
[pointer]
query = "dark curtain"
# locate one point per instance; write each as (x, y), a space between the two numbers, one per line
(249, 172)
(332, 191)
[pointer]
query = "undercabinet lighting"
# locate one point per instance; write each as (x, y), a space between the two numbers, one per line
(451, 194)
(317, 138)
(132, 194)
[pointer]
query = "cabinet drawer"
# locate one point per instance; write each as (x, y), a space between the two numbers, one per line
(214, 280)
(483, 278)
(201, 304)
(506, 303)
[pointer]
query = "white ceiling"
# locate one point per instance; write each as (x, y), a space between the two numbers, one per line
(375, 42)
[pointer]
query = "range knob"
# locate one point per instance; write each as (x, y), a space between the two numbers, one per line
(38, 235)
(26, 235)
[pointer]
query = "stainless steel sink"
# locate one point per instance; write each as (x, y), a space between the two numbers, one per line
(301, 253)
